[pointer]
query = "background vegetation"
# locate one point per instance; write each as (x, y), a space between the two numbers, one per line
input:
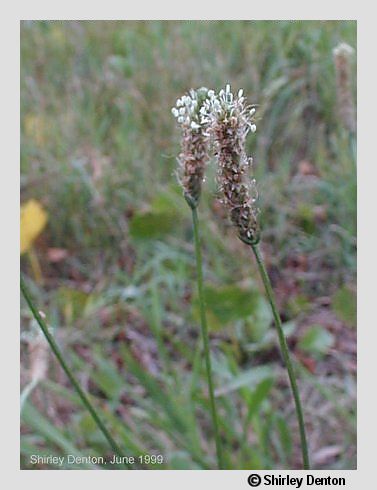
(117, 269)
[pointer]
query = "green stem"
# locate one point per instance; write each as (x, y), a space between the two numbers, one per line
(204, 327)
(285, 353)
(67, 370)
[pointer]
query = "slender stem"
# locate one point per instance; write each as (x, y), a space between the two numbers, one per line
(204, 327)
(67, 370)
(35, 266)
(285, 353)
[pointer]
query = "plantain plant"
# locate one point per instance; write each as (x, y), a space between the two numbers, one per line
(192, 161)
(224, 120)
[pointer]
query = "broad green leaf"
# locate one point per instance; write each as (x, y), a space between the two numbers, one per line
(316, 340)
(170, 202)
(226, 304)
(344, 305)
(151, 225)
(166, 211)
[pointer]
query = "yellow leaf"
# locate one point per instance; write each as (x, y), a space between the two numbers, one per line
(33, 221)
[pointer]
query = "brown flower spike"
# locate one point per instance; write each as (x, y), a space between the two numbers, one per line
(229, 120)
(193, 157)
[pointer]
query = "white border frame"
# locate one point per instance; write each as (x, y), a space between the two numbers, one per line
(165, 479)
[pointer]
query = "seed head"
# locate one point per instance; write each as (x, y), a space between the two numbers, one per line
(194, 143)
(346, 107)
(229, 120)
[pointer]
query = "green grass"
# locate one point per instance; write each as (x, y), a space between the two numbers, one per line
(98, 151)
